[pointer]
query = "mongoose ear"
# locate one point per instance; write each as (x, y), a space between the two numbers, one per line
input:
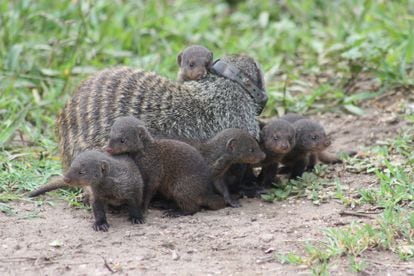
(231, 145)
(179, 58)
(104, 167)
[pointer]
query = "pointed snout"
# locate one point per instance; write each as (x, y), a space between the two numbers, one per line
(66, 179)
(109, 150)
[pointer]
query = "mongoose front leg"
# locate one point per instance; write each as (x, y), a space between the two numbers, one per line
(298, 169)
(222, 188)
(100, 223)
(267, 175)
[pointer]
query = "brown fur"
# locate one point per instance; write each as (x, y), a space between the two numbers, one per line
(310, 140)
(174, 169)
(228, 147)
(194, 62)
(112, 180)
(277, 139)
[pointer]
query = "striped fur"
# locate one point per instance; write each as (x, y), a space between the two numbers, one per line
(194, 109)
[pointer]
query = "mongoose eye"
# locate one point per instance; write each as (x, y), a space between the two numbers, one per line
(191, 64)
(123, 140)
(252, 150)
(81, 172)
(315, 137)
(275, 138)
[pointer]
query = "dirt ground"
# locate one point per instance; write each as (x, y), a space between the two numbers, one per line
(59, 240)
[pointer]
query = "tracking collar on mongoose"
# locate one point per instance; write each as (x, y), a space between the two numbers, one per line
(229, 71)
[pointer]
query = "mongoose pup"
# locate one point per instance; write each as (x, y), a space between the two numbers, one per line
(310, 140)
(228, 147)
(174, 169)
(195, 110)
(277, 139)
(321, 156)
(112, 180)
(194, 62)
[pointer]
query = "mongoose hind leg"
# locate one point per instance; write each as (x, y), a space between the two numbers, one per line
(135, 213)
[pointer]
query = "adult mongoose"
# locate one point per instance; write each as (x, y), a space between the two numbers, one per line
(310, 140)
(194, 62)
(112, 180)
(174, 169)
(277, 139)
(195, 109)
(228, 147)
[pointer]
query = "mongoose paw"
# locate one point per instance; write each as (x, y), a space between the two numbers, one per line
(234, 203)
(137, 220)
(101, 226)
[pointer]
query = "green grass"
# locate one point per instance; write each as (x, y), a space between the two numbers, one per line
(314, 54)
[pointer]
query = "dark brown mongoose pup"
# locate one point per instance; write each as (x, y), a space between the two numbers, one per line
(322, 156)
(310, 140)
(195, 110)
(194, 62)
(228, 147)
(112, 180)
(277, 139)
(174, 169)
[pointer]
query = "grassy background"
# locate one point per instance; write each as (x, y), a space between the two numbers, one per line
(313, 52)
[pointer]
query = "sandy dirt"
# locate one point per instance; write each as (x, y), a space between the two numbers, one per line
(59, 240)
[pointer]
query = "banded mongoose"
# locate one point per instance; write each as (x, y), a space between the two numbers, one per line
(174, 169)
(310, 140)
(196, 109)
(228, 147)
(277, 139)
(112, 180)
(194, 62)
(321, 156)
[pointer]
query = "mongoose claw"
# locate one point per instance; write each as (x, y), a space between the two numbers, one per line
(101, 226)
(137, 220)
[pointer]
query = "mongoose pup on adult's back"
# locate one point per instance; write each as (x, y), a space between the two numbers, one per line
(194, 62)
(228, 147)
(174, 169)
(310, 139)
(277, 139)
(112, 179)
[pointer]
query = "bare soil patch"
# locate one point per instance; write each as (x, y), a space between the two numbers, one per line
(58, 239)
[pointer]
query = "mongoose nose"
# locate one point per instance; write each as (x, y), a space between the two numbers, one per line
(109, 150)
(66, 180)
(284, 147)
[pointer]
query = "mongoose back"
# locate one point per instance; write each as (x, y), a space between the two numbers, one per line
(194, 62)
(228, 147)
(277, 139)
(195, 109)
(115, 180)
(310, 139)
(172, 168)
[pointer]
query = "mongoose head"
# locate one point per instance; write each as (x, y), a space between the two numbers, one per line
(278, 136)
(241, 146)
(88, 168)
(310, 136)
(128, 135)
(194, 63)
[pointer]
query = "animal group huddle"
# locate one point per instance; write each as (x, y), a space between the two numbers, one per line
(136, 164)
